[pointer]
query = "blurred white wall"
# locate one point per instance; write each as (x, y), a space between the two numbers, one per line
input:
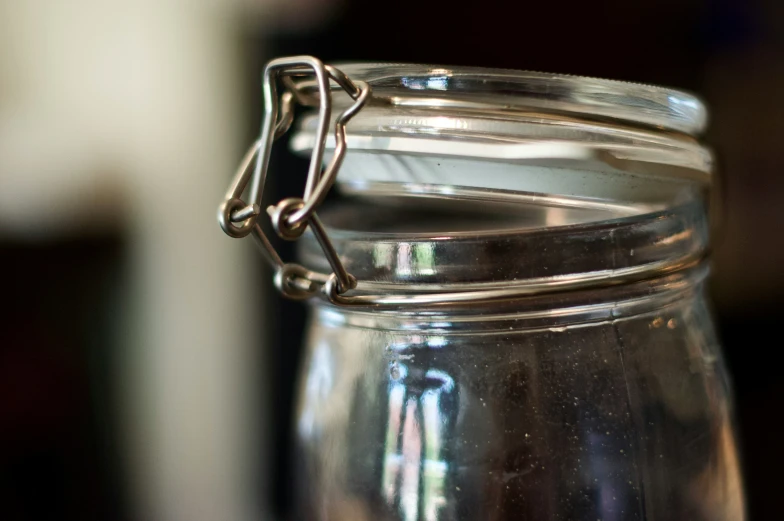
(128, 116)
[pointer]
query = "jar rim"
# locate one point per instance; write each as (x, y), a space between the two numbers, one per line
(541, 132)
(423, 85)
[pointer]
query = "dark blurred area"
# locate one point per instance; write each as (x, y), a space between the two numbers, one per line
(64, 445)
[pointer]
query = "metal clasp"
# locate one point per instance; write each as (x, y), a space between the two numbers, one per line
(291, 217)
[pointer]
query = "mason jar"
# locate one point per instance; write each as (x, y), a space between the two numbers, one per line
(520, 330)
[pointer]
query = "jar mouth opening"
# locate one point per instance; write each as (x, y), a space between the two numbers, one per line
(502, 178)
(524, 131)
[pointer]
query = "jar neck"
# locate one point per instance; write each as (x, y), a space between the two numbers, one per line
(430, 249)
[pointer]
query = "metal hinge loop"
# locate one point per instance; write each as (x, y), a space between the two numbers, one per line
(290, 217)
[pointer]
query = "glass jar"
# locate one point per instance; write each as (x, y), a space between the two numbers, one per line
(524, 333)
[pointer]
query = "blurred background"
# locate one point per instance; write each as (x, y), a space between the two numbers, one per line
(146, 367)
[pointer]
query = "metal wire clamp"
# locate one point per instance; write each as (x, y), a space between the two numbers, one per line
(292, 216)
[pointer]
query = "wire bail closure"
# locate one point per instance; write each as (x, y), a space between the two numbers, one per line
(292, 216)
(300, 76)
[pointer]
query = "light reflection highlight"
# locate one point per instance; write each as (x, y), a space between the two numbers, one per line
(415, 471)
(317, 387)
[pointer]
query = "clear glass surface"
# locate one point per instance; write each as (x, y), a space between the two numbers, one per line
(597, 391)
(608, 400)
(611, 405)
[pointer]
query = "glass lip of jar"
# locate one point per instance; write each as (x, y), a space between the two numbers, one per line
(515, 118)
(447, 87)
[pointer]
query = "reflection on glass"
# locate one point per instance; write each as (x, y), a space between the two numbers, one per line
(424, 254)
(412, 258)
(383, 255)
(404, 260)
(437, 83)
(414, 468)
(317, 387)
